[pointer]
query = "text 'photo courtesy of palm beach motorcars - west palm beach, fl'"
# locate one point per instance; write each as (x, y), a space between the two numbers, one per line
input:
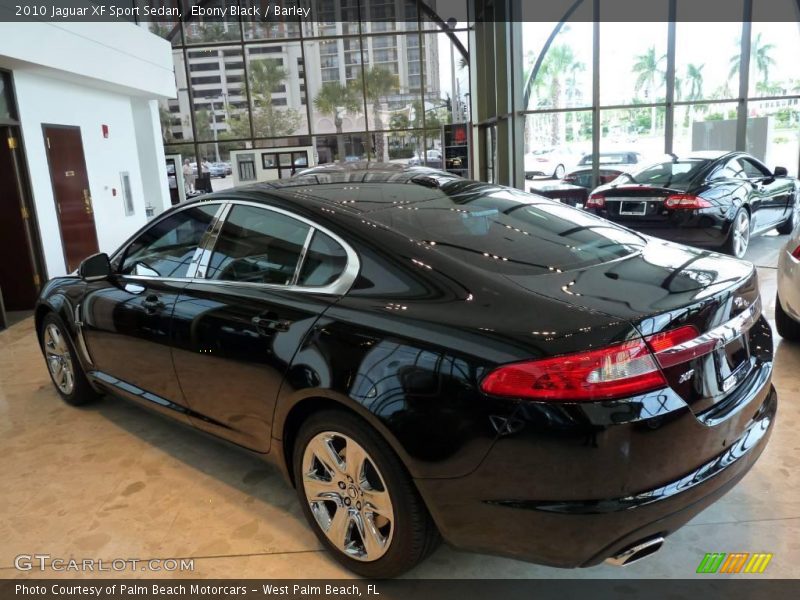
(455, 289)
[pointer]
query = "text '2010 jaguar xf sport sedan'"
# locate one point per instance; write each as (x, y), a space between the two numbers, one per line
(424, 355)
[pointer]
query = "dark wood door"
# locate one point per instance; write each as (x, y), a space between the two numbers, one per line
(71, 191)
(17, 276)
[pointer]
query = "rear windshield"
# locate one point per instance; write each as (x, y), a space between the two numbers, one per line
(616, 158)
(509, 231)
(678, 173)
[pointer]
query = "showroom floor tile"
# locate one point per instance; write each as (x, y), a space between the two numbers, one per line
(115, 481)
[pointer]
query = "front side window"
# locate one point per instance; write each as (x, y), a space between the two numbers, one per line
(753, 170)
(257, 245)
(166, 249)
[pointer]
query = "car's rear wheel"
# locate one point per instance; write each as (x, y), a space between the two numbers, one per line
(63, 364)
(739, 237)
(358, 498)
(559, 172)
(790, 223)
(787, 327)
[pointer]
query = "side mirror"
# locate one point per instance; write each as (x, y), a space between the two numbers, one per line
(95, 267)
(781, 172)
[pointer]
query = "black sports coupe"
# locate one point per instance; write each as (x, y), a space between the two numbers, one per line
(423, 355)
(708, 199)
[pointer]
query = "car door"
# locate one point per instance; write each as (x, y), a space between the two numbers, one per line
(771, 194)
(262, 283)
(126, 319)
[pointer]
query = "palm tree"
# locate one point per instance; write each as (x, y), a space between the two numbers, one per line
(265, 78)
(556, 68)
(760, 59)
(334, 99)
(649, 77)
(379, 83)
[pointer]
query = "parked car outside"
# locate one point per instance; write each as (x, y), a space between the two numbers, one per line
(611, 165)
(433, 357)
(787, 301)
(550, 162)
(433, 159)
(714, 200)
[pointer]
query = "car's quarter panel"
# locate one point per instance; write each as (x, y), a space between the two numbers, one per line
(409, 344)
(230, 361)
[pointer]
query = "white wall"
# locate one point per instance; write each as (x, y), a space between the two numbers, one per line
(44, 100)
(89, 75)
(114, 55)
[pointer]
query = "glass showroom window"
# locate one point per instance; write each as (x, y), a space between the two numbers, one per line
(335, 88)
(563, 77)
(773, 133)
(219, 95)
(276, 80)
(704, 126)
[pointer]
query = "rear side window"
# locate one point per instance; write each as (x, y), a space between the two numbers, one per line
(166, 249)
(325, 260)
(257, 245)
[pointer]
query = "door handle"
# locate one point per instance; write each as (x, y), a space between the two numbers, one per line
(268, 325)
(152, 304)
(87, 202)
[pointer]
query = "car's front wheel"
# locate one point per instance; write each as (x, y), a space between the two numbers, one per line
(358, 497)
(559, 172)
(63, 364)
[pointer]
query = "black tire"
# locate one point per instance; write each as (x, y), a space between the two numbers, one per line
(788, 328)
(414, 535)
(559, 172)
(789, 224)
(80, 392)
(732, 245)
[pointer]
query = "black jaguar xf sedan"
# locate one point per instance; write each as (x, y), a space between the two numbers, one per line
(709, 199)
(427, 356)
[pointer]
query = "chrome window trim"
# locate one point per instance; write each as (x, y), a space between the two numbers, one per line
(338, 287)
(165, 215)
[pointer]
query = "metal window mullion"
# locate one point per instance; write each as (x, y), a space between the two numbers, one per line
(596, 126)
(669, 116)
(744, 75)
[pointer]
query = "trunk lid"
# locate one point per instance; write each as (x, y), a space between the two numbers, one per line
(638, 203)
(667, 286)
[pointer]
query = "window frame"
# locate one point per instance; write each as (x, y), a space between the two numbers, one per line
(119, 256)
(340, 286)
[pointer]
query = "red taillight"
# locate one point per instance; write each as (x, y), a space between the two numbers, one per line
(667, 346)
(596, 201)
(686, 202)
(569, 178)
(796, 253)
(618, 371)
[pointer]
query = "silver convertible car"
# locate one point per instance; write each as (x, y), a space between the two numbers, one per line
(787, 302)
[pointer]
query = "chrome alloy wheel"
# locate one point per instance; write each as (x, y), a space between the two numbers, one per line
(59, 359)
(741, 234)
(347, 496)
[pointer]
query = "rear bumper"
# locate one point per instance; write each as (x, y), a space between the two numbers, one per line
(479, 512)
(706, 227)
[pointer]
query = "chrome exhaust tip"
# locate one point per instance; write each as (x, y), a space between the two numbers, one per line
(636, 552)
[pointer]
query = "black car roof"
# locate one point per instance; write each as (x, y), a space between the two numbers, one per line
(355, 188)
